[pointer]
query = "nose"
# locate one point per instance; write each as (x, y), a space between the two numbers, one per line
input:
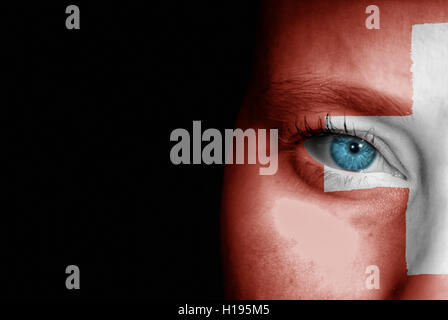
(427, 222)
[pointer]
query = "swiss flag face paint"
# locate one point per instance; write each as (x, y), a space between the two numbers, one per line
(312, 230)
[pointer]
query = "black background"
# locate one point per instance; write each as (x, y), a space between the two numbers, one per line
(87, 122)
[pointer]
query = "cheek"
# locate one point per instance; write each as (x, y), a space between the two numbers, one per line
(284, 240)
(332, 241)
(316, 237)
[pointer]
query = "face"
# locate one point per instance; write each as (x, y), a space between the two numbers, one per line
(362, 180)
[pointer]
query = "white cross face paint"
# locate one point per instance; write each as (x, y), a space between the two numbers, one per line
(427, 221)
(416, 153)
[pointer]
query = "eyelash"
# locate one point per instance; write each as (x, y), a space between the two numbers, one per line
(306, 131)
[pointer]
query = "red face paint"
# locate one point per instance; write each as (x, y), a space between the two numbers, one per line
(284, 237)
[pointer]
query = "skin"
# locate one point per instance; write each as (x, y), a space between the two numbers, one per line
(283, 237)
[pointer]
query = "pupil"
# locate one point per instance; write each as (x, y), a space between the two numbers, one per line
(354, 147)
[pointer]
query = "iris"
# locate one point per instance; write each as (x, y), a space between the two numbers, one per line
(351, 153)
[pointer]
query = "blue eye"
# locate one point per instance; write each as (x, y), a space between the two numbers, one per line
(351, 153)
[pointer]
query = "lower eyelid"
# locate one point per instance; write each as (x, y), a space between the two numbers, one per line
(307, 168)
(337, 180)
(331, 177)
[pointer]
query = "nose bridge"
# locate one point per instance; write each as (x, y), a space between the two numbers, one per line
(427, 235)
(428, 272)
(435, 184)
(436, 214)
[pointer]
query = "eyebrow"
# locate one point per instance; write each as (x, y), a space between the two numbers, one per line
(314, 94)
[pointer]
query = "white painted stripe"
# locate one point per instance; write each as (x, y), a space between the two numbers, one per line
(427, 216)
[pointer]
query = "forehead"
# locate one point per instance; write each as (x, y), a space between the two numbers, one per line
(329, 38)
